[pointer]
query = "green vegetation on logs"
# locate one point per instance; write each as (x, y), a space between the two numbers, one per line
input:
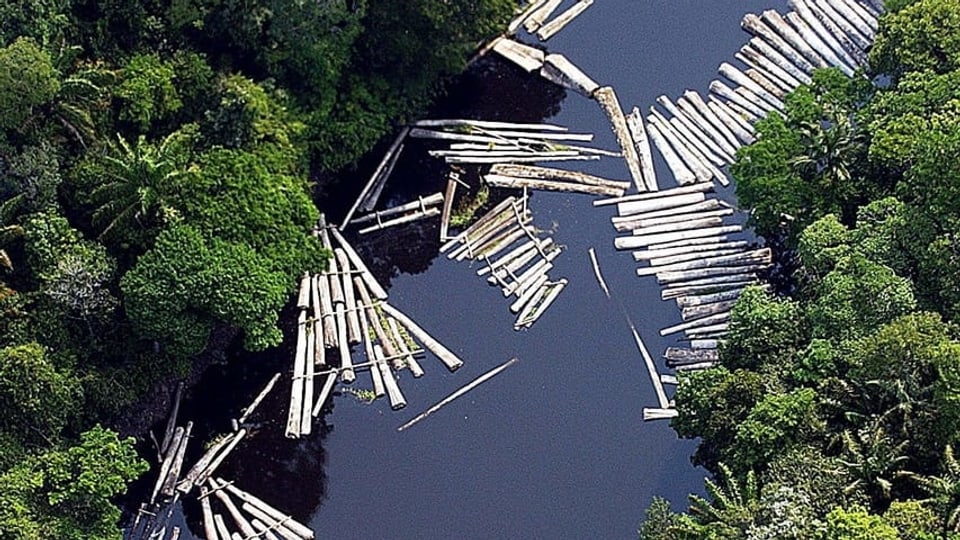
(154, 189)
(835, 413)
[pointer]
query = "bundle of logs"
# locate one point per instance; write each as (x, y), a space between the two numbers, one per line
(345, 306)
(252, 518)
(520, 271)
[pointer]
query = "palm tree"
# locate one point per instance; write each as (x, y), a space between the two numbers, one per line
(831, 149)
(874, 459)
(731, 513)
(137, 181)
(944, 490)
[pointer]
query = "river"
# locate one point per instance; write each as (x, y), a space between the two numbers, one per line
(555, 446)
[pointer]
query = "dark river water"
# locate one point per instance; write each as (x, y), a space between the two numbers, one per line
(554, 447)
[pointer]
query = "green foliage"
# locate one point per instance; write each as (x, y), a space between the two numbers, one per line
(659, 521)
(65, 492)
(765, 332)
(856, 297)
(148, 91)
(28, 80)
(36, 397)
(31, 182)
(913, 520)
(731, 512)
(42, 20)
(249, 114)
(923, 35)
(857, 524)
(773, 425)
(822, 244)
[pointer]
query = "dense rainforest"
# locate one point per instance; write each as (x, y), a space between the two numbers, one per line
(835, 412)
(161, 163)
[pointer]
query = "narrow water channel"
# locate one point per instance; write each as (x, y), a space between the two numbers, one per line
(555, 447)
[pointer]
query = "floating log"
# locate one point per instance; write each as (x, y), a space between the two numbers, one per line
(256, 402)
(665, 262)
(704, 310)
(493, 213)
(759, 28)
(447, 207)
(634, 242)
(682, 242)
(527, 57)
(408, 357)
(608, 101)
(499, 243)
(212, 467)
(170, 483)
(547, 173)
(681, 147)
(355, 260)
(765, 50)
(780, 26)
(245, 527)
(349, 298)
(763, 80)
(378, 174)
(374, 320)
(397, 401)
(263, 530)
(487, 124)
(489, 154)
(376, 376)
(706, 127)
(852, 18)
(679, 226)
(700, 187)
(346, 361)
(753, 109)
(715, 284)
(651, 367)
(710, 330)
(540, 303)
(209, 528)
(306, 425)
(741, 258)
(286, 521)
(166, 464)
(510, 270)
(857, 10)
(696, 367)
(684, 251)
(540, 137)
(642, 144)
(773, 72)
(549, 29)
(644, 224)
(848, 53)
(697, 103)
(689, 356)
(420, 204)
(558, 70)
(528, 293)
(327, 315)
(527, 158)
(666, 378)
(738, 77)
(704, 343)
(625, 223)
(726, 116)
(705, 321)
(686, 275)
(810, 36)
(191, 478)
(750, 97)
(549, 185)
(463, 390)
(303, 296)
(486, 232)
(596, 271)
(861, 41)
(846, 41)
(448, 358)
(172, 419)
(328, 384)
(662, 413)
(681, 173)
(699, 132)
(541, 14)
(540, 267)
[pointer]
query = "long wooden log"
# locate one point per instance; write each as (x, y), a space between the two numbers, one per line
(166, 464)
(651, 367)
(511, 134)
(377, 173)
(697, 132)
(853, 19)
(349, 298)
(376, 376)
(368, 350)
(549, 29)
(486, 155)
(682, 251)
(540, 304)
(263, 530)
(705, 310)
(692, 114)
(221, 526)
(487, 124)
(397, 401)
(774, 73)
(810, 36)
(703, 206)
(608, 101)
(193, 475)
(527, 57)
(377, 190)
(862, 41)
(420, 204)
(722, 90)
(375, 324)
(690, 256)
(750, 97)
(727, 117)
(262, 522)
(662, 413)
(634, 242)
(355, 260)
(680, 146)
(501, 207)
(630, 208)
(209, 528)
(346, 361)
(705, 321)
(559, 70)
(260, 397)
(791, 36)
(734, 281)
(679, 218)
(705, 343)
(697, 223)
(245, 527)
(710, 330)
(408, 357)
(448, 358)
(862, 14)
(701, 187)
(735, 259)
(702, 299)
(328, 385)
(697, 102)
(288, 522)
(212, 467)
(172, 419)
(681, 242)
(541, 14)
(306, 424)
(764, 81)
(170, 484)
(846, 41)
(515, 253)
(696, 367)
(547, 173)
(550, 185)
(327, 315)
(689, 356)
(688, 275)
(681, 173)
(759, 28)
(847, 53)
(463, 390)
(303, 291)
(499, 243)
(765, 50)
(527, 158)
(447, 207)
(642, 144)
(738, 77)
